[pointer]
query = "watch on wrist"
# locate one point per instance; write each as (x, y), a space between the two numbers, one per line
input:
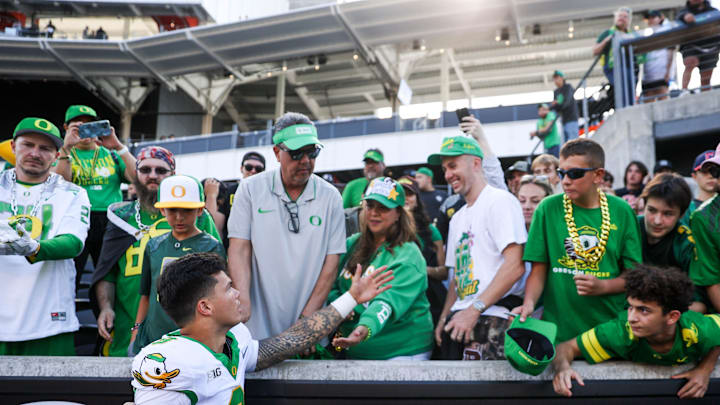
(479, 305)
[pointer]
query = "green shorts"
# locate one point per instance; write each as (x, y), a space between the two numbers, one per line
(57, 345)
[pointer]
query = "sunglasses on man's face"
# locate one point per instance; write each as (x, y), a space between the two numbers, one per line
(711, 169)
(575, 173)
(257, 169)
(160, 171)
(298, 154)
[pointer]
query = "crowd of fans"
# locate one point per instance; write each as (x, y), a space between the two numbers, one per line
(630, 273)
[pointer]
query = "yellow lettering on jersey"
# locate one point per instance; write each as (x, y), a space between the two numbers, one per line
(134, 254)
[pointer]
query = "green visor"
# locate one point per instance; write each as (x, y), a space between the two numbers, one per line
(297, 136)
(386, 191)
(34, 125)
(529, 345)
(75, 111)
(456, 146)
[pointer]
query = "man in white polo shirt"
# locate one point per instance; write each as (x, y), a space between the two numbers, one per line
(288, 226)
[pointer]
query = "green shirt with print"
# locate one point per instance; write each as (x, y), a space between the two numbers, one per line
(126, 274)
(549, 242)
(353, 192)
(100, 172)
(553, 136)
(161, 251)
(705, 225)
(398, 320)
(695, 336)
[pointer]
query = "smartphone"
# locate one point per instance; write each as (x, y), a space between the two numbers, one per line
(94, 129)
(462, 113)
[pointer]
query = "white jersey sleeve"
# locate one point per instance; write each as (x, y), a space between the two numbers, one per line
(247, 347)
(76, 220)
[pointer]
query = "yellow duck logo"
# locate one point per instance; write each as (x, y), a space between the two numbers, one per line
(690, 336)
(153, 372)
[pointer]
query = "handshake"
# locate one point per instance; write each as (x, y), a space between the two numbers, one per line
(16, 241)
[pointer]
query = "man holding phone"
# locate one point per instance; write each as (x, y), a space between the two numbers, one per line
(93, 158)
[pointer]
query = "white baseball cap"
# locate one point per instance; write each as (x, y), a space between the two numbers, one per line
(180, 192)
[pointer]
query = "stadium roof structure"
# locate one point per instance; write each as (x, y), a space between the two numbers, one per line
(340, 59)
(104, 8)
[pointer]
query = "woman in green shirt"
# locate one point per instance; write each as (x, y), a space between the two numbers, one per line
(397, 323)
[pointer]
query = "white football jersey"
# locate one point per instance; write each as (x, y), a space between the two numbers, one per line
(38, 300)
(179, 370)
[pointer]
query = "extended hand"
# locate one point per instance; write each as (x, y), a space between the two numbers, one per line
(212, 189)
(72, 136)
(470, 125)
(462, 324)
(562, 382)
(105, 322)
(587, 284)
(357, 336)
(111, 141)
(363, 289)
(697, 383)
(523, 310)
(689, 18)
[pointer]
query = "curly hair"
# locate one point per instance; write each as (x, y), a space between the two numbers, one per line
(668, 287)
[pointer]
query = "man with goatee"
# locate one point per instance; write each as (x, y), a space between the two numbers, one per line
(114, 293)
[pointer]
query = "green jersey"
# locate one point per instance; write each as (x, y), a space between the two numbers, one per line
(553, 135)
(99, 172)
(705, 225)
(434, 236)
(353, 192)
(398, 320)
(695, 336)
(694, 204)
(549, 242)
(126, 274)
(676, 249)
(159, 252)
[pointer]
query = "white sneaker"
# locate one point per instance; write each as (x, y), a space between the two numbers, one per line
(683, 93)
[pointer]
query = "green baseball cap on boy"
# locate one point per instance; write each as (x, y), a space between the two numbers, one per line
(75, 111)
(456, 146)
(386, 191)
(180, 191)
(297, 136)
(426, 171)
(374, 154)
(34, 125)
(529, 345)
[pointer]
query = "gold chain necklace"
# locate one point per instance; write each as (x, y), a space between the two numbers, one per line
(83, 176)
(595, 256)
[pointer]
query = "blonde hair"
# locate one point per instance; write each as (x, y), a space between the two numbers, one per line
(545, 160)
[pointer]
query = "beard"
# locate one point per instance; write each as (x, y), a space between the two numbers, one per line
(147, 197)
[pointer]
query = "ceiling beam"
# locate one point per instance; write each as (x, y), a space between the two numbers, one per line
(235, 116)
(309, 102)
(459, 73)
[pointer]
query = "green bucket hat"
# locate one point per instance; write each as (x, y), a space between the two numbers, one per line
(529, 345)
(297, 136)
(426, 171)
(75, 111)
(374, 154)
(386, 191)
(34, 125)
(456, 146)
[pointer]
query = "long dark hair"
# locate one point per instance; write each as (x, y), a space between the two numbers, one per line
(422, 227)
(400, 232)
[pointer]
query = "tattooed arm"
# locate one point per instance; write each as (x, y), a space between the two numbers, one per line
(307, 331)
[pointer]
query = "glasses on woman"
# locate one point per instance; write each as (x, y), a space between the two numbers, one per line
(253, 168)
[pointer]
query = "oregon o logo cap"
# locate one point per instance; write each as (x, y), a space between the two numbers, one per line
(529, 345)
(180, 191)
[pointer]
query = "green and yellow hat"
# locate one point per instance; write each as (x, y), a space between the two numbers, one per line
(374, 154)
(386, 191)
(34, 125)
(297, 136)
(530, 345)
(456, 146)
(426, 171)
(180, 192)
(75, 111)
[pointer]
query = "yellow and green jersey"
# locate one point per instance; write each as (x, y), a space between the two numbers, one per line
(100, 172)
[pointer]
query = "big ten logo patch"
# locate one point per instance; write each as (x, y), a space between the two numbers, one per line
(384, 312)
(213, 374)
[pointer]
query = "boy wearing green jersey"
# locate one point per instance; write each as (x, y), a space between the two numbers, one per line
(181, 200)
(579, 244)
(657, 328)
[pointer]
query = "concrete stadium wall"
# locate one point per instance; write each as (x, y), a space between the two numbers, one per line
(103, 381)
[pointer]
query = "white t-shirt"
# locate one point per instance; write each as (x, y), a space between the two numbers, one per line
(656, 62)
(178, 370)
(477, 236)
(38, 300)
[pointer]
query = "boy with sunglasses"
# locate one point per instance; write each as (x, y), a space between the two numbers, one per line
(580, 242)
(286, 231)
(705, 226)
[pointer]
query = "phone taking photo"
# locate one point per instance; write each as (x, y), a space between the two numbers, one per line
(462, 113)
(94, 129)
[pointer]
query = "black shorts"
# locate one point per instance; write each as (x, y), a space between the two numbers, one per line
(708, 60)
(654, 85)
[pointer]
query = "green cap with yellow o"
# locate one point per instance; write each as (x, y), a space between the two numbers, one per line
(456, 146)
(75, 111)
(34, 125)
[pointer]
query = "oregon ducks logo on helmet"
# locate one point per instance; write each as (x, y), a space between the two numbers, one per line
(43, 124)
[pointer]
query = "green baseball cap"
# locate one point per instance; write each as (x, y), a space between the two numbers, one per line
(374, 154)
(75, 111)
(426, 171)
(530, 345)
(456, 146)
(386, 191)
(34, 125)
(297, 136)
